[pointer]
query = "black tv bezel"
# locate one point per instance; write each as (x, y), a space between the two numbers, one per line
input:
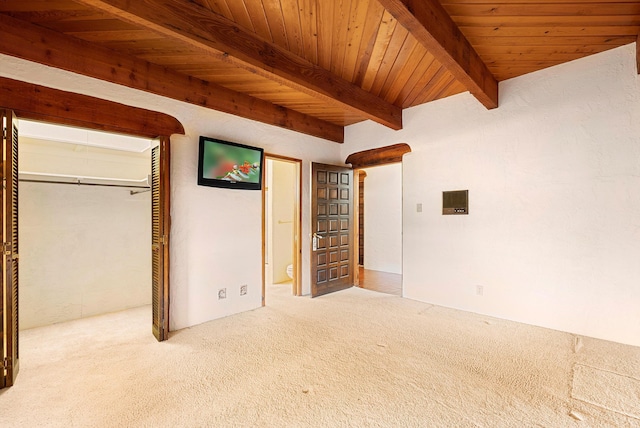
(225, 184)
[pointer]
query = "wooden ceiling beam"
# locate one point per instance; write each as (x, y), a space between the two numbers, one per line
(34, 43)
(225, 40)
(31, 101)
(432, 26)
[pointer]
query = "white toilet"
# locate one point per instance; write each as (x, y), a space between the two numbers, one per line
(290, 271)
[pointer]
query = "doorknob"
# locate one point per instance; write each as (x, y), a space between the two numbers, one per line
(314, 241)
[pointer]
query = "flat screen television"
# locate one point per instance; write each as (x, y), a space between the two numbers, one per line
(229, 165)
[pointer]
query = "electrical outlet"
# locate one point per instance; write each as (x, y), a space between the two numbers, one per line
(222, 293)
(479, 290)
(243, 290)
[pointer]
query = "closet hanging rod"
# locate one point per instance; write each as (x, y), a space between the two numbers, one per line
(79, 183)
(135, 192)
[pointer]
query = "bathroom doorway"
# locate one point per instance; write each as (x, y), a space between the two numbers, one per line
(282, 199)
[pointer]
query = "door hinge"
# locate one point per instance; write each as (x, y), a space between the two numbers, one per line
(163, 240)
(6, 364)
(6, 248)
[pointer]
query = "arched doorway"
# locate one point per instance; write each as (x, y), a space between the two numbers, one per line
(381, 269)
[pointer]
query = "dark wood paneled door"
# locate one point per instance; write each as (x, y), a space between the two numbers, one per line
(10, 363)
(332, 252)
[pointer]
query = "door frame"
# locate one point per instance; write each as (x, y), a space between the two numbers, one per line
(366, 159)
(297, 233)
(357, 182)
(41, 103)
(352, 216)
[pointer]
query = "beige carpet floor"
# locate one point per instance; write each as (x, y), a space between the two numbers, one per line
(356, 358)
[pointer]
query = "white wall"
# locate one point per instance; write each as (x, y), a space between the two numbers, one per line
(383, 218)
(84, 251)
(216, 233)
(74, 160)
(553, 233)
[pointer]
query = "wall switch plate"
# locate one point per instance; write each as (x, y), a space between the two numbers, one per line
(419, 208)
(243, 290)
(479, 290)
(222, 293)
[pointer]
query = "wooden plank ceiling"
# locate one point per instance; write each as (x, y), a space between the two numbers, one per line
(313, 66)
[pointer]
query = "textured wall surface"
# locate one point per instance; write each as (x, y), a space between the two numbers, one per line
(216, 234)
(383, 218)
(554, 180)
(83, 251)
(553, 234)
(73, 160)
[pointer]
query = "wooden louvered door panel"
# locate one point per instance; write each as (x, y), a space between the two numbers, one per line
(159, 236)
(10, 254)
(332, 253)
(361, 176)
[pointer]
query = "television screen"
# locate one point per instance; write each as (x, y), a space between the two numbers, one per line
(229, 165)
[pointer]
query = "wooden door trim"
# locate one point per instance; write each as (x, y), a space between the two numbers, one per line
(379, 156)
(165, 189)
(165, 178)
(297, 264)
(36, 102)
(10, 256)
(355, 240)
(358, 180)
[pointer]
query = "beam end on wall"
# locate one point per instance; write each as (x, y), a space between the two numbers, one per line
(380, 156)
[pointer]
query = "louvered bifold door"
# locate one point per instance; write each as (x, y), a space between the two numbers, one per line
(160, 242)
(10, 254)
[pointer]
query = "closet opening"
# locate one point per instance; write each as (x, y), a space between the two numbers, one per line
(84, 224)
